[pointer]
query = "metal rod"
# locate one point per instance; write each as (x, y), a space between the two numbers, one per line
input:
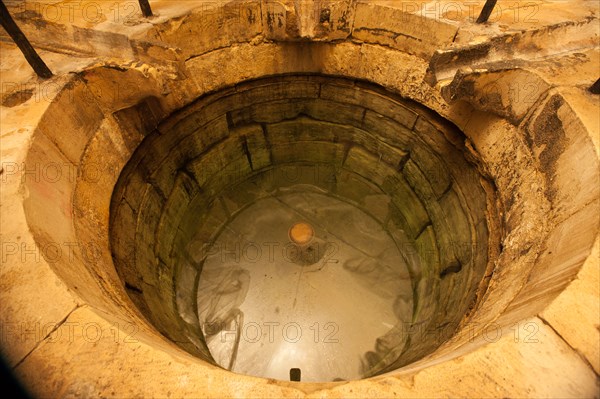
(595, 88)
(295, 374)
(32, 57)
(145, 6)
(488, 7)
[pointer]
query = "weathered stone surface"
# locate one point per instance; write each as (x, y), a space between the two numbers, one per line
(333, 20)
(405, 29)
(280, 20)
(427, 247)
(211, 26)
(369, 99)
(80, 116)
(557, 140)
(502, 368)
(146, 225)
(184, 189)
(388, 130)
(509, 93)
(254, 145)
(460, 226)
(574, 313)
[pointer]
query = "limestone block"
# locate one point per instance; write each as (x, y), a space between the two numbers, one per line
(254, 145)
(221, 158)
(203, 109)
(369, 99)
(404, 28)
(162, 317)
(418, 182)
(122, 243)
(574, 313)
(407, 202)
(200, 229)
(560, 143)
(388, 130)
(133, 188)
(104, 157)
(460, 226)
(184, 189)
(392, 156)
(173, 152)
(95, 41)
(146, 225)
(280, 20)
(267, 112)
(301, 130)
(120, 84)
(564, 252)
(234, 172)
(365, 164)
(309, 151)
(427, 247)
(444, 234)
(335, 112)
(212, 25)
(431, 166)
(79, 116)
(444, 144)
(277, 90)
(332, 19)
(139, 120)
(208, 129)
(509, 93)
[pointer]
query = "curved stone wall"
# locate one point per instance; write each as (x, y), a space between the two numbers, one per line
(397, 161)
(93, 120)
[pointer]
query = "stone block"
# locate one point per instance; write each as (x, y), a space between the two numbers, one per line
(221, 158)
(210, 26)
(404, 28)
(509, 93)
(76, 122)
(407, 202)
(561, 144)
(460, 226)
(145, 235)
(308, 151)
(419, 183)
(184, 189)
(388, 130)
(426, 245)
(369, 99)
(280, 20)
(254, 145)
(431, 167)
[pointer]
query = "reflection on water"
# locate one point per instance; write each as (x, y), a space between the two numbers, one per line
(267, 305)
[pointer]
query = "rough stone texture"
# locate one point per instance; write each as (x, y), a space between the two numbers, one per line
(409, 32)
(273, 122)
(510, 93)
(574, 314)
(500, 369)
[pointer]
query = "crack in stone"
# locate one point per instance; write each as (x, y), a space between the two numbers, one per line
(56, 327)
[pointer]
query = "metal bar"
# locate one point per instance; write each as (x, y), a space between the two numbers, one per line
(295, 374)
(32, 57)
(488, 7)
(595, 88)
(145, 6)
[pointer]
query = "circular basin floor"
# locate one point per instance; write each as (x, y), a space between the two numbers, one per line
(301, 279)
